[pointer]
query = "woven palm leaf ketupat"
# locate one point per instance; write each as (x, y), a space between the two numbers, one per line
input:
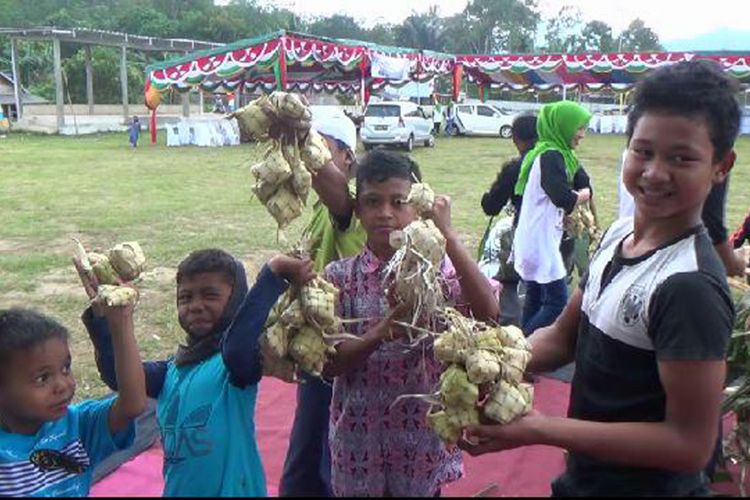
(114, 295)
(122, 263)
(477, 354)
(295, 152)
(127, 259)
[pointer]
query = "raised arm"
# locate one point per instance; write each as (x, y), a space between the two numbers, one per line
(101, 337)
(332, 187)
(131, 396)
(240, 348)
(474, 285)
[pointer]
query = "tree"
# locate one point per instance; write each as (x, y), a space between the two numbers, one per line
(336, 26)
(639, 38)
(382, 34)
(422, 31)
(492, 26)
(140, 20)
(563, 31)
(597, 37)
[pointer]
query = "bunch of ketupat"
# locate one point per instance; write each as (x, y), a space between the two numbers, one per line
(300, 331)
(294, 152)
(412, 275)
(120, 264)
(478, 355)
(582, 222)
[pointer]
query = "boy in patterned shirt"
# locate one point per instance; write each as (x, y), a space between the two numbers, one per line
(379, 448)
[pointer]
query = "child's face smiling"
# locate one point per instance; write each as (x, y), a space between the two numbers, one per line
(201, 300)
(382, 208)
(37, 386)
(669, 168)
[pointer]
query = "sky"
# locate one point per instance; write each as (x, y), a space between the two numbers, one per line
(670, 19)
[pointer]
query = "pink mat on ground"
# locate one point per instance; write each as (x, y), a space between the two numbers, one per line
(521, 472)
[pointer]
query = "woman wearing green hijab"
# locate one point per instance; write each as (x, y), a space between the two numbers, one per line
(545, 182)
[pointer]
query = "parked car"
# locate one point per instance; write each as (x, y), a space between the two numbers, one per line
(396, 123)
(482, 119)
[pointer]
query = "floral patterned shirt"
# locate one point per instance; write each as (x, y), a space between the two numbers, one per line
(380, 448)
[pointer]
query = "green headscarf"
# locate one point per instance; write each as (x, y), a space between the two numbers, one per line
(556, 126)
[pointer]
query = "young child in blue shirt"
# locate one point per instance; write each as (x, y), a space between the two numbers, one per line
(206, 393)
(48, 447)
(650, 326)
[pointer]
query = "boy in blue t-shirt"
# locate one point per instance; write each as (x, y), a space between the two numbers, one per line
(650, 325)
(206, 393)
(49, 448)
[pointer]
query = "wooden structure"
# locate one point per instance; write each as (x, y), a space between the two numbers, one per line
(87, 38)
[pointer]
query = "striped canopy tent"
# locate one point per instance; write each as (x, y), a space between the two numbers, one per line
(310, 63)
(586, 72)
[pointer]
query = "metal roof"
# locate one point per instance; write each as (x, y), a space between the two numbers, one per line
(110, 38)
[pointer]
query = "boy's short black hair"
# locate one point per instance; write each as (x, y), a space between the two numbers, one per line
(524, 128)
(210, 260)
(381, 164)
(22, 329)
(693, 89)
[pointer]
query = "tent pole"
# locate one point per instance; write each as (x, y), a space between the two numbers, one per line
(89, 79)
(16, 79)
(124, 81)
(59, 101)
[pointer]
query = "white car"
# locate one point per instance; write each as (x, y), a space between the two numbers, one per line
(396, 123)
(482, 119)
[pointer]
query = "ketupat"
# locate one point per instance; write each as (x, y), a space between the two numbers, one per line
(273, 170)
(512, 336)
(441, 424)
(292, 316)
(292, 109)
(422, 197)
(514, 363)
(301, 183)
(102, 267)
(582, 222)
(254, 119)
(426, 240)
(314, 152)
(455, 388)
(282, 181)
(482, 366)
(301, 329)
(114, 296)
(461, 416)
(276, 339)
(412, 275)
(127, 259)
(284, 206)
(507, 402)
(479, 354)
(310, 350)
(318, 301)
(450, 346)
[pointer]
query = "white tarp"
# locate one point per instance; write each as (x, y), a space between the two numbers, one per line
(389, 68)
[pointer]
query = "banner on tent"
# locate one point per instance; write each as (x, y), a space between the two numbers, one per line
(389, 68)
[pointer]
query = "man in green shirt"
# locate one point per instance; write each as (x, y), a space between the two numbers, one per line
(334, 233)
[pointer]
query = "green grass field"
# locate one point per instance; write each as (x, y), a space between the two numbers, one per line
(174, 200)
